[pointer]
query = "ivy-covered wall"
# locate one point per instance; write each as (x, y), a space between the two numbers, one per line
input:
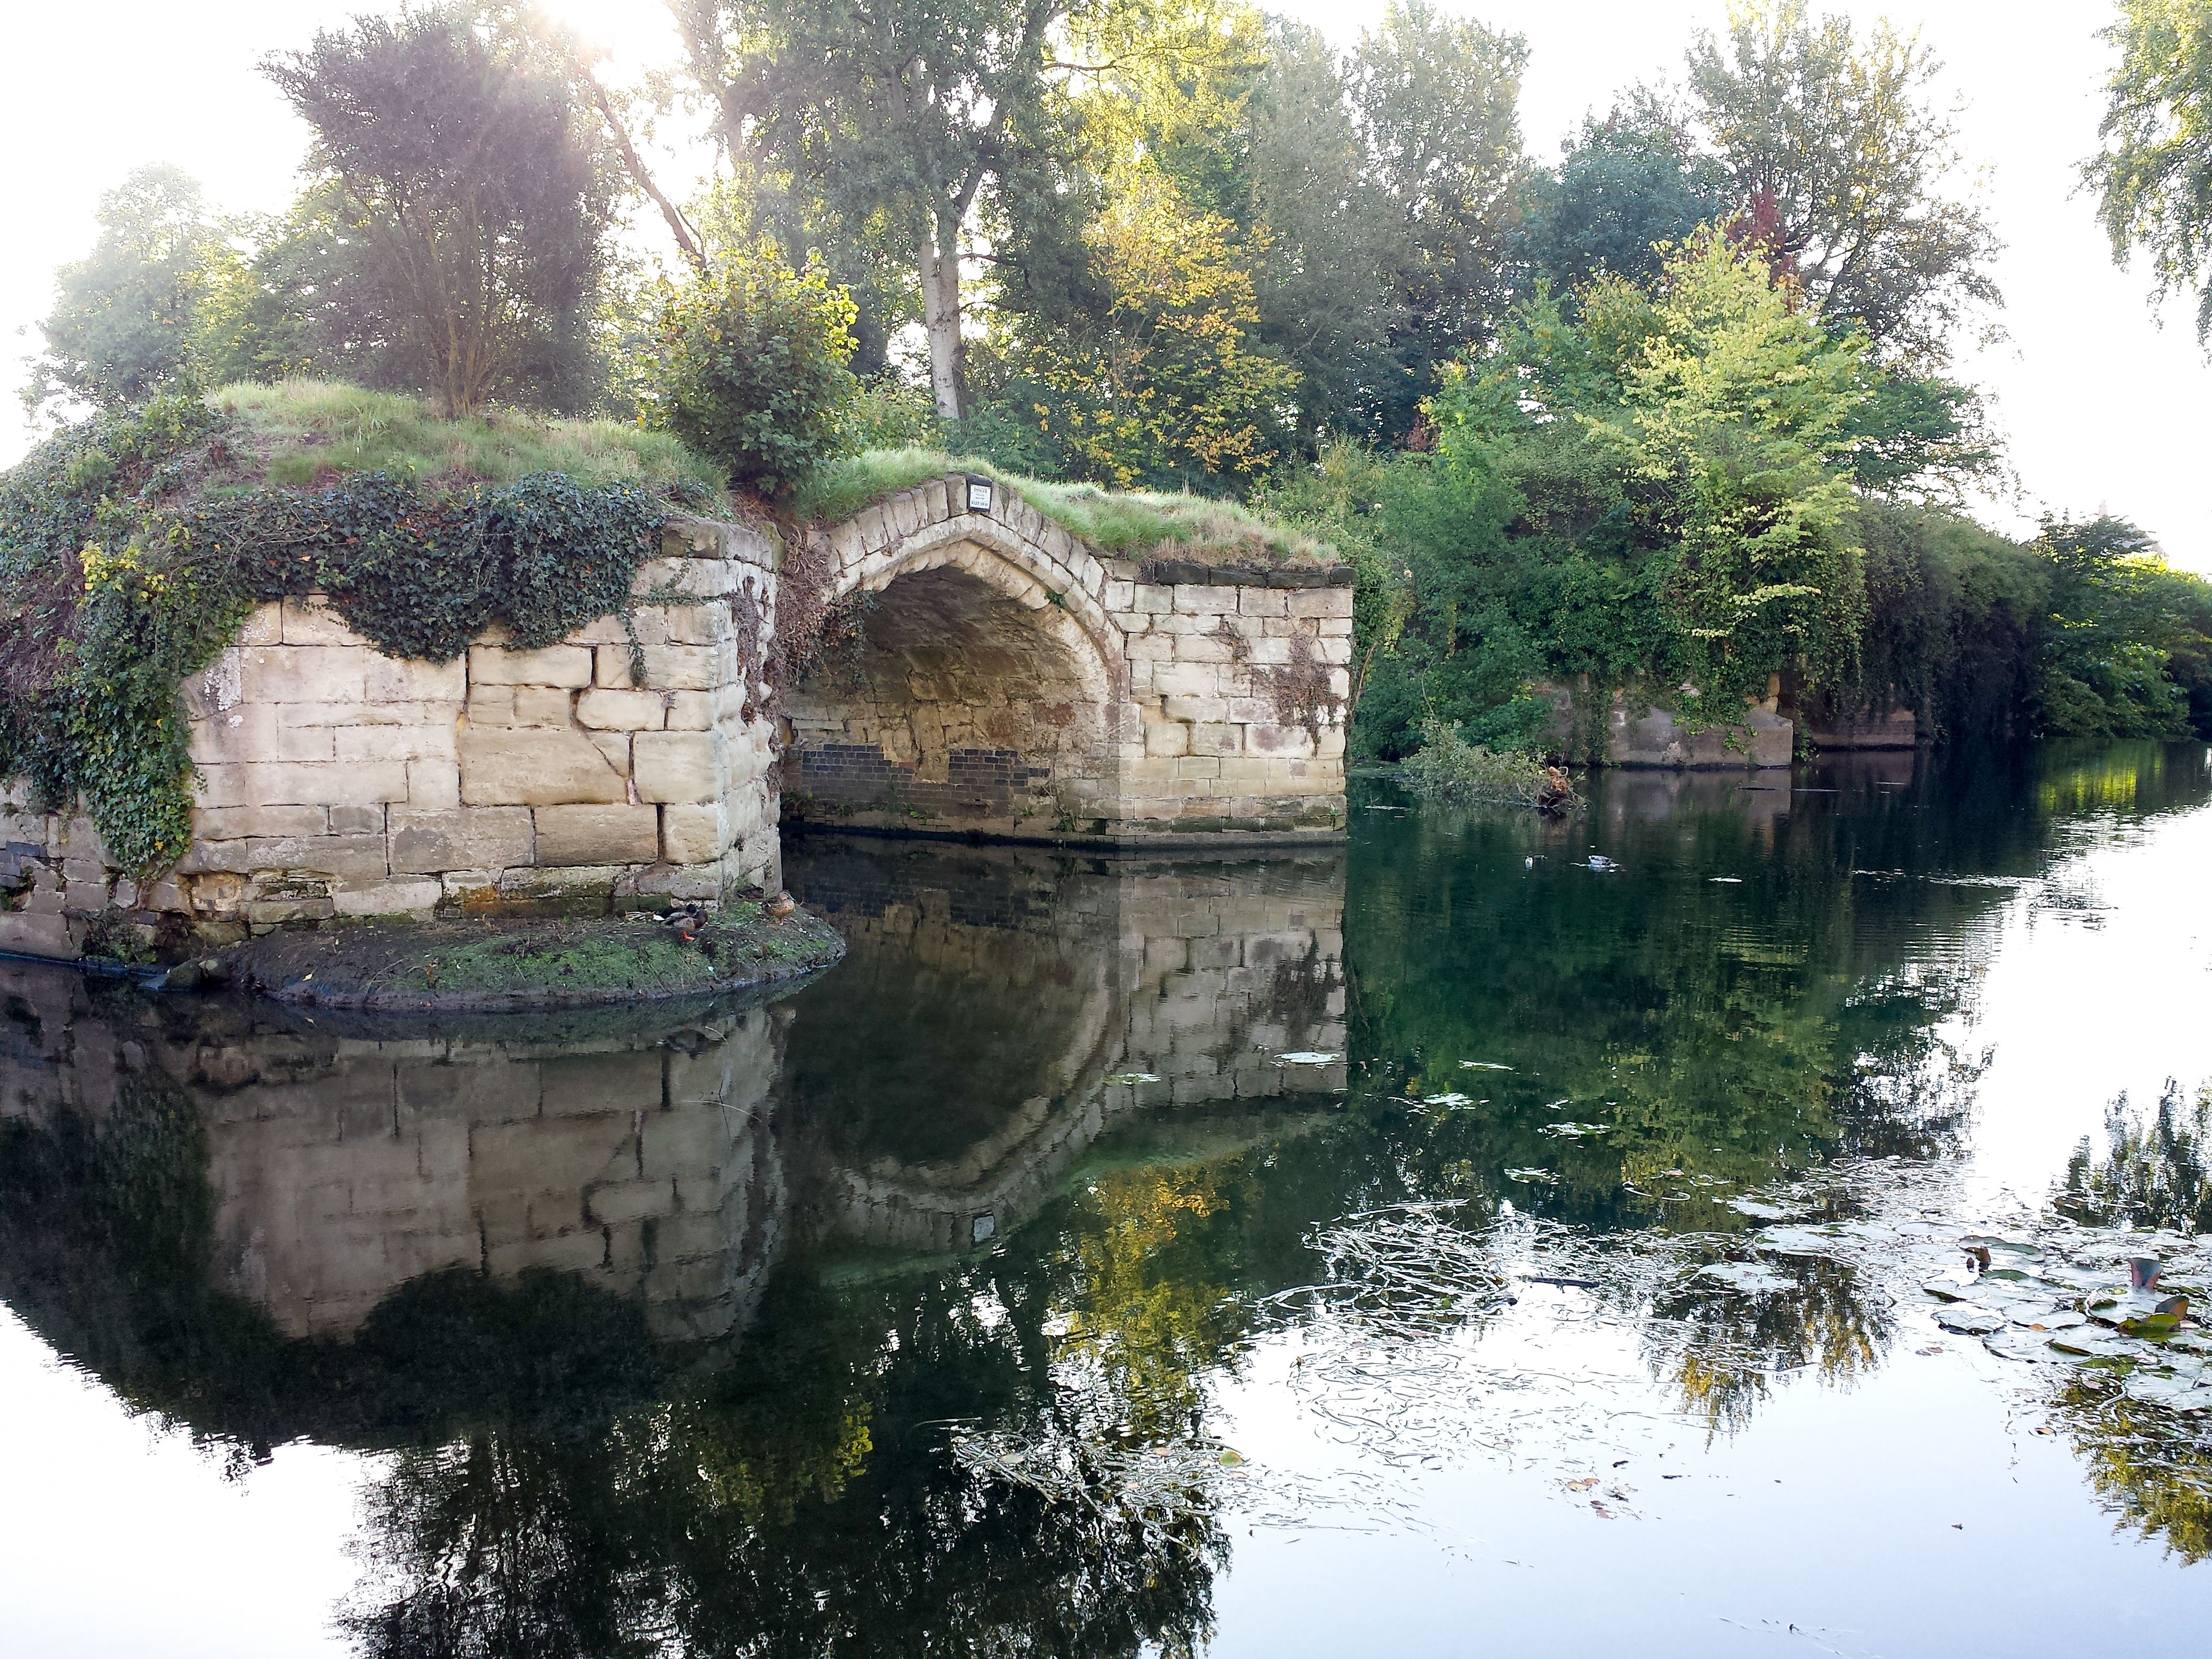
(334, 779)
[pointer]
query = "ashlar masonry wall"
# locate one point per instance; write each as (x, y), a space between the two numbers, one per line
(337, 782)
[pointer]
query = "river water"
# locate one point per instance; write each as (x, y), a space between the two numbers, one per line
(1323, 1254)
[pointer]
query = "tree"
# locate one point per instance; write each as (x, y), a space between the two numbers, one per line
(465, 195)
(2119, 624)
(1172, 380)
(2153, 173)
(893, 115)
(1328, 294)
(1626, 186)
(1436, 103)
(1838, 164)
(135, 313)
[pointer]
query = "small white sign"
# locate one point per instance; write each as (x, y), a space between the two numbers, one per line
(979, 495)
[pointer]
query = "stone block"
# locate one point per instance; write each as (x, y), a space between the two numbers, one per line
(352, 857)
(36, 935)
(1205, 599)
(388, 898)
(284, 783)
(604, 708)
(237, 823)
(312, 621)
(542, 705)
(391, 679)
(557, 665)
(304, 673)
(693, 834)
(1216, 737)
(535, 766)
(491, 705)
(695, 711)
(433, 785)
(568, 836)
(1166, 737)
(394, 742)
(678, 766)
(667, 667)
(1157, 600)
(614, 748)
(468, 838)
(1262, 602)
(263, 625)
(1182, 679)
(1319, 602)
(347, 821)
(237, 735)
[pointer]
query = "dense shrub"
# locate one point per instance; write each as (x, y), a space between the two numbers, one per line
(753, 370)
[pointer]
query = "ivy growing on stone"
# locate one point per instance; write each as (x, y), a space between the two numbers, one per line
(132, 547)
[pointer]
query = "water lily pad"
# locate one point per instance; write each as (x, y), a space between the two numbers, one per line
(1133, 1077)
(1796, 1241)
(1949, 1289)
(1304, 1057)
(2030, 1345)
(2159, 1388)
(1544, 1175)
(1753, 1207)
(1748, 1276)
(1970, 1320)
(1454, 1098)
(1574, 1131)
(1482, 1066)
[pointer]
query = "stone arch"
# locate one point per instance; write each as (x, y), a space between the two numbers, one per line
(989, 691)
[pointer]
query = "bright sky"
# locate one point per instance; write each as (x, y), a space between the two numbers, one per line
(2104, 409)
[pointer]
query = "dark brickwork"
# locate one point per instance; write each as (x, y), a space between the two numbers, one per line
(980, 783)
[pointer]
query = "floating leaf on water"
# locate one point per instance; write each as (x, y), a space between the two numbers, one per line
(1796, 1241)
(1748, 1276)
(1231, 1459)
(1574, 1131)
(1133, 1077)
(1304, 1057)
(1482, 1066)
(2031, 1346)
(1453, 1098)
(1970, 1320)
(1949, 1289)
(1758, 1212)
(1544, 1175)
(2156, 1388)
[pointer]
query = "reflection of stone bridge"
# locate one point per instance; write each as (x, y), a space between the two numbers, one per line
(937, 1087)
(999, 1010)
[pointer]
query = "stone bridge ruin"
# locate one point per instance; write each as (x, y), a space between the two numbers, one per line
(986, 674)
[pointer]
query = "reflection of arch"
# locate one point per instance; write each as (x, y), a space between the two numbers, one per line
(989, 689)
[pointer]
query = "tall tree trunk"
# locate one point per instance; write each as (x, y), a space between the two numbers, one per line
(940, 317)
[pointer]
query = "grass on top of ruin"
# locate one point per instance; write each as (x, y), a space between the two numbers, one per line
(306, 433)
(1128, 524)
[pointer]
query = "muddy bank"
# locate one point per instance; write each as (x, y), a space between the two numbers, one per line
(489, 964)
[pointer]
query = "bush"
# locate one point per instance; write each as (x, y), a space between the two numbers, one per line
(1449, 768)
(752, 370)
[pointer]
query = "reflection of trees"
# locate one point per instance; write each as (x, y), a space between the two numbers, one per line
(2152, 1174)
(2152, 1468)
(1723, 1348)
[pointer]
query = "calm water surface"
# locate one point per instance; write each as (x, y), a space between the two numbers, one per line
(1284, 1257)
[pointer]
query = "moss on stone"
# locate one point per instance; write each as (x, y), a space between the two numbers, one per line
(401, 965)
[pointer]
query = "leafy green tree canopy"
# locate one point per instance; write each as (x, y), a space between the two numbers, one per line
(135, 313)
(2153, 173)
(1839, 165)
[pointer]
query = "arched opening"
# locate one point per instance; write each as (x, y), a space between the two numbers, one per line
(959, 708)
